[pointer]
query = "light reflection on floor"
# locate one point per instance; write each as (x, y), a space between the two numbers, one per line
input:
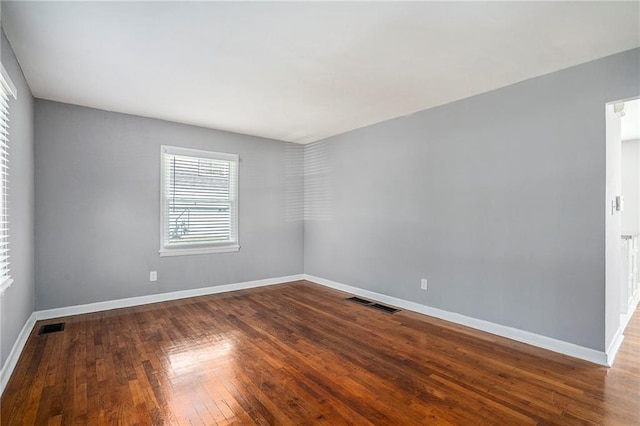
(193, 360)
(198, 373)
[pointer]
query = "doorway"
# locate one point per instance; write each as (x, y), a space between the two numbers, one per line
(630, 171)
(622, 223)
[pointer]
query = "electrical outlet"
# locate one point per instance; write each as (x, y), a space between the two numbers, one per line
(423, 284)
(153, 276)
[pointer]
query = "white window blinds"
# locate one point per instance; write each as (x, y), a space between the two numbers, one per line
(199, 201)
(6, 90)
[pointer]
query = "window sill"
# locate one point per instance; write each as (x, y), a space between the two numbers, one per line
(201, 250)
(5, 285)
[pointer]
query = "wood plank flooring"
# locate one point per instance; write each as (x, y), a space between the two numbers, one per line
(299, 353)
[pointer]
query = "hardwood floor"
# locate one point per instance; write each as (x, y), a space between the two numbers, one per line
(298, 353)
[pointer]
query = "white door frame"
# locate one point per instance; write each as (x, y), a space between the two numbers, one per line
(613, 230)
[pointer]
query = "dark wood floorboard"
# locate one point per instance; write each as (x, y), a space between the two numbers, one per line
(299, 353)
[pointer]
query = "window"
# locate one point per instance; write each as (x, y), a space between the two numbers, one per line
(6, 89)
(199, 202)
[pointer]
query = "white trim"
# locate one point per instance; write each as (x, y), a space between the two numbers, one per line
(544, 342)
(20, 342)
(6, 79)
(200, 153)
(616, 342)
(625, 318)
(5, 285)
(203, 250)
(224, 247)
(614, 347)
(16, 351)
(160, 297)
(533, 339)
(7, 88)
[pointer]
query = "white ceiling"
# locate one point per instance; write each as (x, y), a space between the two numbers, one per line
(300, 71)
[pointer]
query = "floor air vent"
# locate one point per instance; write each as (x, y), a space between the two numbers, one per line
(373, 304)
(51, 328)
(384, 308)
(359, 300)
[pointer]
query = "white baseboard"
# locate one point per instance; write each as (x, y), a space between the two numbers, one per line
(625, 318)
(16, 351)
(613, 348)
(18, 346)
(533, 339)
(544, 342)
(160, 297)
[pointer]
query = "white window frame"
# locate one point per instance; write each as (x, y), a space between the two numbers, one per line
(221, 247)
(8, 90)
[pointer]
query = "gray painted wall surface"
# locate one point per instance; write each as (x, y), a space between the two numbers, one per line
(98, 199)
(17, 303)
(496, 199)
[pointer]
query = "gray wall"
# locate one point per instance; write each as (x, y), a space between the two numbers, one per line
(497, 199)
(98, 199)
(17, 303)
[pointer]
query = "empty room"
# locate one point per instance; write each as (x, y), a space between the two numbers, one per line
(399, 213)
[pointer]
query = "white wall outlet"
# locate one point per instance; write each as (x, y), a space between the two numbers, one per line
(153, 276)
(423, 284)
